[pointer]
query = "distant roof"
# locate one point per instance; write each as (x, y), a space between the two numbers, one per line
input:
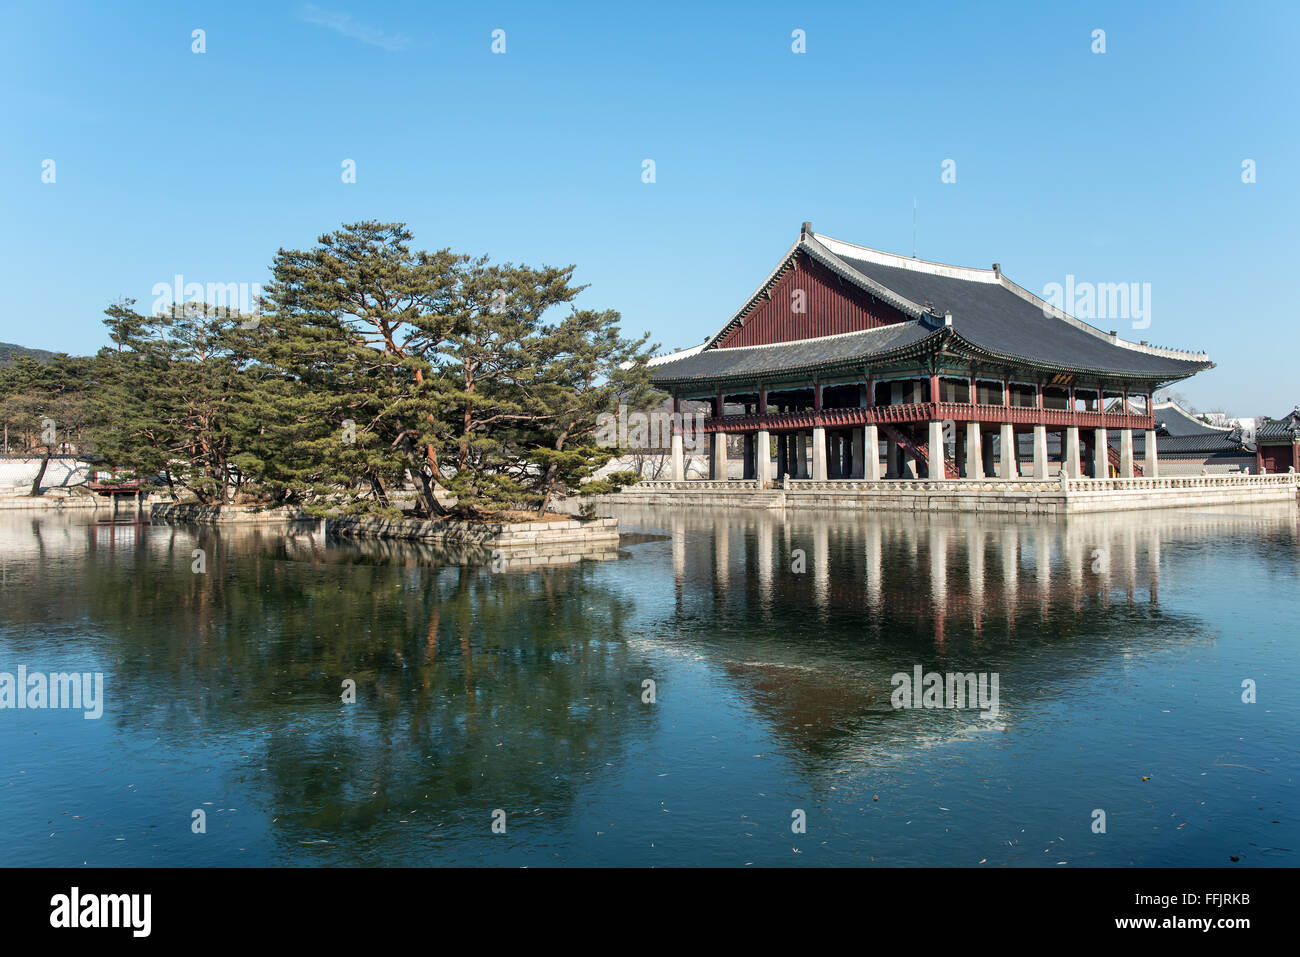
(990, 314)
(1283, 429)
(1172, 419)
(1177, 446)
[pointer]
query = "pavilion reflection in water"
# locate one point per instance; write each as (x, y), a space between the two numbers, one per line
(964, 566)
(1055, 606)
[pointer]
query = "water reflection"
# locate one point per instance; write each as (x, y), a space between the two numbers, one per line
(524, 690)
(812, 614)
(474, 690)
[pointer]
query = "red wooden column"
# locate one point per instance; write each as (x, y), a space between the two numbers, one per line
(934, 388)
(817, 467)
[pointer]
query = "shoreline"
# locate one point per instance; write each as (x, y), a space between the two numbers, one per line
(544, 542)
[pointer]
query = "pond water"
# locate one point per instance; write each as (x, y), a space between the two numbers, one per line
(1122, 645)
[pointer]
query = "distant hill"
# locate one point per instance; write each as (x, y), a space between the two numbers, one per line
(9, 352)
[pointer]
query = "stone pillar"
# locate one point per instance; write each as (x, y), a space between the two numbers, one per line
(781, 466)
(762, 457)
(834, 456)
(937, 470)
(819, 453)
(1126, 453)
(989, 463)
(1100, 451)
(974, 451)
(870, 453)
(1008, 467)
(718, 460)
(1040, 451)
(1150, 460)
(800, 456)
(891, 457)
(1072, 461)
(679, 466)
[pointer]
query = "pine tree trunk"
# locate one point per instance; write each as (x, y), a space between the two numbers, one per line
(36, 483)
(378, 488)
(427, 497)
(548, 484)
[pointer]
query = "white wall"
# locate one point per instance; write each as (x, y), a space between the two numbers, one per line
(15, 471)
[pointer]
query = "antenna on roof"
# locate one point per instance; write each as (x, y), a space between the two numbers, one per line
(913, 227)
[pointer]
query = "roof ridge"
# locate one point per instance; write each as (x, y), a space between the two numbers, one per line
(1171, 404)
(884, 258)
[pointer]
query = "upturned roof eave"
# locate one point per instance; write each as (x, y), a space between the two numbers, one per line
(954, 344)
(846, 364)
(1010, 358)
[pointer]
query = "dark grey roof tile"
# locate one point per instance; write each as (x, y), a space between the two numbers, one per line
(791, 356)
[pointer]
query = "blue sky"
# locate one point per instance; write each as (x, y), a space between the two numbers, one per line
(1117, 167)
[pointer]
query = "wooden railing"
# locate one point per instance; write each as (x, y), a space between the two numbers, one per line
(926, 412)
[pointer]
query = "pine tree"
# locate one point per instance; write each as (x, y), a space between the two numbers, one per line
(589, 369)
(345, 349)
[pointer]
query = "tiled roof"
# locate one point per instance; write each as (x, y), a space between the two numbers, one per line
(990, 315)
(1179, 445)
(1283, 429)
(791, 356)
(1167, 446)
(1173, 419)
(988, 312)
